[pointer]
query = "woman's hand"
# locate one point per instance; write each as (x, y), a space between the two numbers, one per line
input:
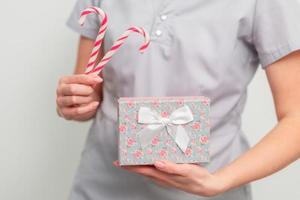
(275, 151)
(190, 178)
(78, 96)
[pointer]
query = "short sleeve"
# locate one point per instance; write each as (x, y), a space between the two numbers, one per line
(91, 25)
(276, 29)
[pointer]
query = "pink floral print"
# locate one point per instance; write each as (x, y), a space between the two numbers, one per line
(155, 141)
(180, 101)
(193, 142)
(122, 128)
(130, 142)
(164, 114)
(199, 150)
(168, 142)
(174, 150)
(133, 126)
(138, 154)
(162, 153)
(155, 102)
(130, 104)
(203, 139)
(188, 152)
(163, 145)
(205, 102)
(149, 151)
(196, 125)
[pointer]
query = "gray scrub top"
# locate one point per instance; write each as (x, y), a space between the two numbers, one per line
(198, 47)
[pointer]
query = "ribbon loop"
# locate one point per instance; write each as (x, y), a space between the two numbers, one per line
(156, 123)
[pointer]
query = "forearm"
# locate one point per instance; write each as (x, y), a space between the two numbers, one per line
(276, 150)
(85, 47)
(79, 95)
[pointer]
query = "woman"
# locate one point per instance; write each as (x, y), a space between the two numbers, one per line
(210, 48)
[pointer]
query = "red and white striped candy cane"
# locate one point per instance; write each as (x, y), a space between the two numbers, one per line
(98, 42)
(118, 43)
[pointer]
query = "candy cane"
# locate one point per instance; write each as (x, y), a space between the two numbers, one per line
(118, 43)
(98, 42)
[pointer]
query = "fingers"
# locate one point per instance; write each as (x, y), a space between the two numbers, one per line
(74, 89)
(173, 168)
(78, 96)
(151, 172)
(71, 112)
(63, 101)
(145, 170)
(159, 177)
(80, 79)
(141, 169)
(187, 177)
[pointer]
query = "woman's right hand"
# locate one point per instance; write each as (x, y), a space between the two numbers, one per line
(78, 96)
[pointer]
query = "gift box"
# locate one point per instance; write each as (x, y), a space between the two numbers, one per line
(163, 128)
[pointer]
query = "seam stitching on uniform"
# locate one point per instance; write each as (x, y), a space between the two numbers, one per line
(254, 21)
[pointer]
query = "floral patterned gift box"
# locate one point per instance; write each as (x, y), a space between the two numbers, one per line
(163, 128)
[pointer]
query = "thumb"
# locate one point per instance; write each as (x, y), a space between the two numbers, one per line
(81, 79)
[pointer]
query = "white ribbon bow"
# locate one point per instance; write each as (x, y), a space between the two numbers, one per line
(173, 125)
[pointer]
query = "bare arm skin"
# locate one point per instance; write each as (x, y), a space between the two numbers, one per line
(79, 95)
(280, 146)
(276, 149)
(85, 47)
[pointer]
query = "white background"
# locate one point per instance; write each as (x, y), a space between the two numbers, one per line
(39, 152)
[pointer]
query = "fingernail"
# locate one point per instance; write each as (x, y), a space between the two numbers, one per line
(81, 111)
(116, 163)
(96, 104)
(98, 79)
(159, 164)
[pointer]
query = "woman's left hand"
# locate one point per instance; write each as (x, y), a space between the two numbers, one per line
(190, 178)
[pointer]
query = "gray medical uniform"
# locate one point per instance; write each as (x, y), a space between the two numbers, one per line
(198, 47)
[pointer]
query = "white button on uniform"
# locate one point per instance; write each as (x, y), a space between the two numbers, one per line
(163, 17)
(158, 32)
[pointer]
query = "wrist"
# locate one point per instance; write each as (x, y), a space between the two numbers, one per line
(214, 184)
(86, 117)
(225, 180)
